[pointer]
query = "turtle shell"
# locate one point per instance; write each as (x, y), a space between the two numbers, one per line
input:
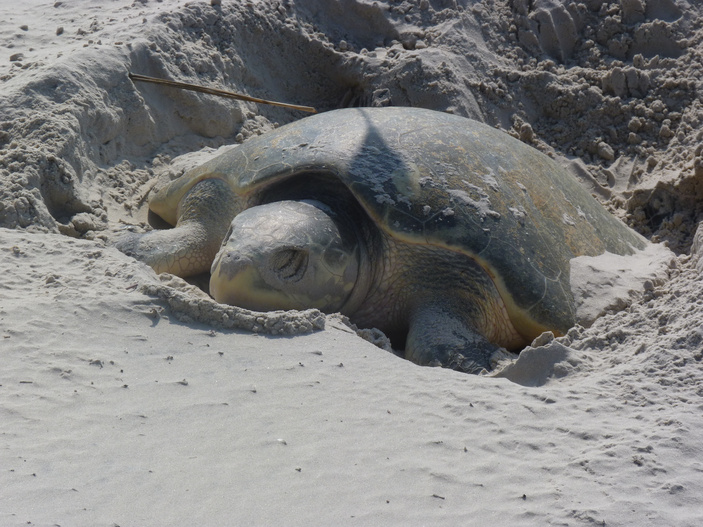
(431, 178)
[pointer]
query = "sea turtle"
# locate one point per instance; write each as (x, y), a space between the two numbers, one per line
(452, 237)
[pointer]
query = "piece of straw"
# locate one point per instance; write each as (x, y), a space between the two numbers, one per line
(215, 91)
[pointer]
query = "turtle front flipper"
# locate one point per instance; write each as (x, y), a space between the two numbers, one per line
(204, 215)
(439, 336)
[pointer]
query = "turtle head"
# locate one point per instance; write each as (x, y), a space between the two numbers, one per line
(287, 255)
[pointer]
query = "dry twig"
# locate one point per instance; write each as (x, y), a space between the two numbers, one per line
(215, 91)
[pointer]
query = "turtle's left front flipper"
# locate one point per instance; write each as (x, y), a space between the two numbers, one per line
(439, 336)
(204, 215)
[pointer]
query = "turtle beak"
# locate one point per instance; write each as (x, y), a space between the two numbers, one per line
(235, 279)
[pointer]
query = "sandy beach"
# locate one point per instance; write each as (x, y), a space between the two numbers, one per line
(133, 399)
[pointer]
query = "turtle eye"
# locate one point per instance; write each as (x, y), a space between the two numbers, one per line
(290, 264)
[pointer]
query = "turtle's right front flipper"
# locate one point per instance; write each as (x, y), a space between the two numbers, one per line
(439, 336)
(204, 215)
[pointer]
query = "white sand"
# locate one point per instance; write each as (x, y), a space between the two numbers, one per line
(124, 399)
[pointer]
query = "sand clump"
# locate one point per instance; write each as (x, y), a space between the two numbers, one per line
(599, 426)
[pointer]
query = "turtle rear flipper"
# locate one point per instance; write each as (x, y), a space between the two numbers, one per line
(188, 249)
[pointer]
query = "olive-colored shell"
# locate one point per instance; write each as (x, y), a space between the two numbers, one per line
(437, 179)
